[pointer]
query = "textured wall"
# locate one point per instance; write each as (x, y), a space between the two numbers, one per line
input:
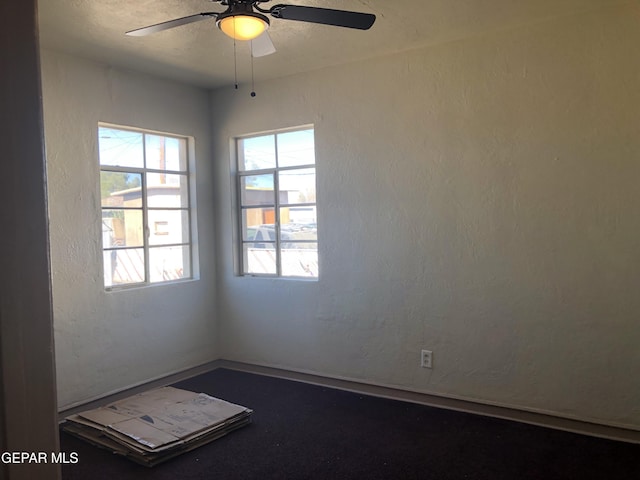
(106, 341)
(479, 199)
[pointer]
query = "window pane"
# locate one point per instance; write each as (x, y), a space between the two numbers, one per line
(298, 223)
(169, 263)
(300, 260)
(257, 190)
(123, 266)
(259, 258)
(120, 189)
(120, 148)
(258, 224)
(121, 228)
(166, 153)
(166, 190)
(297, 186)
(256, 153)
(168, 227)
(296, 148)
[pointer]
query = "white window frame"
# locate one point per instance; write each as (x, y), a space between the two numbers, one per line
(145, 209)
(240, 173)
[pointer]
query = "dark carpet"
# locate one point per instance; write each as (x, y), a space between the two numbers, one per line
(302, 431)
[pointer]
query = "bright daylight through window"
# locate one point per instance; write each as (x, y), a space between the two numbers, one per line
(144, 184)
(277, 200)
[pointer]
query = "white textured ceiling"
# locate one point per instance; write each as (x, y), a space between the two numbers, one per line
(200, 54)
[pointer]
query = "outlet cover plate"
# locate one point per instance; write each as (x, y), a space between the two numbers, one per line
(426, 359)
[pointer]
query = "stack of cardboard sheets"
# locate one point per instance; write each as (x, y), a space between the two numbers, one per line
(157, 425)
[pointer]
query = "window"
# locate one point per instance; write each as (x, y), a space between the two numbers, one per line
(144, 181)
(277, 204)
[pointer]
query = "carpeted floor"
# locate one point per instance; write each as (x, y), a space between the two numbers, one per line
(303, 431)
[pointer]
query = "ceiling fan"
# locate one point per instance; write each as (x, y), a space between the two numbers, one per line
(246, 20)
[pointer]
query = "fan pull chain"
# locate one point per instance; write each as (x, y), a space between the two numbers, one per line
(253, 91)
(235, 56)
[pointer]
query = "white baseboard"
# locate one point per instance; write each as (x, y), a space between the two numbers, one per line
(517, 415)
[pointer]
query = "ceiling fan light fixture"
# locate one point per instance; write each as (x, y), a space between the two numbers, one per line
(243, 26)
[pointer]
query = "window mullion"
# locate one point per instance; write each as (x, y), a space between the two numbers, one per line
(243, 258)
(145, 214)
(276, 192)
(119, 169)
(296, 167)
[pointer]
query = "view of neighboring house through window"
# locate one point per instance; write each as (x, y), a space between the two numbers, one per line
(144, 184)
(277, 200)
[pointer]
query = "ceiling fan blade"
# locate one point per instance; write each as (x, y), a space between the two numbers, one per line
(159, 27)
(261, 46)
(327, 16)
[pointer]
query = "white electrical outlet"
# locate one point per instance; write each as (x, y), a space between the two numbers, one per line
(426, 359)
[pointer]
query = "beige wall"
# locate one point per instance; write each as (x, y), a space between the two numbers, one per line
(478, 199)
(107, 341)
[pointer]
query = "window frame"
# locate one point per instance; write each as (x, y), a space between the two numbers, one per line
(239, 208)
(147, 246)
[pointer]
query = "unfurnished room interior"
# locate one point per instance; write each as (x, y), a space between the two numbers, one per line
(406, 237)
